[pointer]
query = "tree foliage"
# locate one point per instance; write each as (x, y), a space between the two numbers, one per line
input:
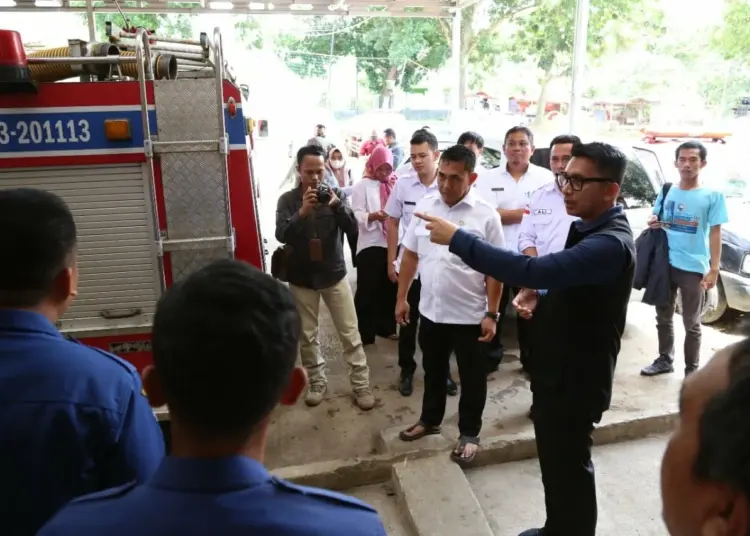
(249, 31)
(173, 25)
(400, 51)
(547, 33)
(732, 38)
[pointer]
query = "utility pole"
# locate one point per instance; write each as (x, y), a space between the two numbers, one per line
(579, 62)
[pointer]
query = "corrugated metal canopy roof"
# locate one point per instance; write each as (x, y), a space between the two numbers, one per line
(354, 8)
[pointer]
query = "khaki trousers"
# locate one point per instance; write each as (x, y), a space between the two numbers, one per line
(340, 302)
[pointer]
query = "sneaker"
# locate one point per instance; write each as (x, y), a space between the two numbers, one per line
(661, 365)
(315, 394)
(365, 399)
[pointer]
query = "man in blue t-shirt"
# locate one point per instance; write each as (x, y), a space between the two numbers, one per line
(692, 216)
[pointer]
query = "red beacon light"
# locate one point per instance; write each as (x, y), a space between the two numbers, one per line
(15, 76)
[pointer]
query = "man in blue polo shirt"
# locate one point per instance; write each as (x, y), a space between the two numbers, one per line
(225, 348)
(73, 418)
(692, 216)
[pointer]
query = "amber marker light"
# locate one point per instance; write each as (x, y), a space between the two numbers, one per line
(117, 130)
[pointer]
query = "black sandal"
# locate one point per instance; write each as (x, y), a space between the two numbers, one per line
(427, 430)
(457, 454)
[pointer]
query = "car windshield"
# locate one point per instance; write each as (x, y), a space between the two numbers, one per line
(728, 178)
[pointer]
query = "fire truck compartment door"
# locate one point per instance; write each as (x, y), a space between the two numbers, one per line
(117, 256)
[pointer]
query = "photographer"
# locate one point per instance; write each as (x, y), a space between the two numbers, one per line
(311, 221)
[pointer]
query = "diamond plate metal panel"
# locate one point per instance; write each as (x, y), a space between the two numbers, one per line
(194, 182)
(186, 262)
(186, 110)
(194, 195)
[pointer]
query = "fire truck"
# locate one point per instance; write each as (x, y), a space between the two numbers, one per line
(149, 148)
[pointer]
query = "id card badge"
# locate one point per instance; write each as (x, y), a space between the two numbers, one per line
(316, 250)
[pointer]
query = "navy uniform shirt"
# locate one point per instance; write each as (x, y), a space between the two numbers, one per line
(72, 421)
(224, 496)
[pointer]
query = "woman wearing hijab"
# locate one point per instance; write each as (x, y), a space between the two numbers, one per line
(375, 299)
(337, 172)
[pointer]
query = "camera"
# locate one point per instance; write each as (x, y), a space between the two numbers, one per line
(324, 195)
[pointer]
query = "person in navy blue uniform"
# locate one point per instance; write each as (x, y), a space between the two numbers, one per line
(580, 306)
(225, 345)
(72, 418)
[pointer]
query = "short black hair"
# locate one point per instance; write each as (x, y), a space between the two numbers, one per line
(471, 137)
(698, 146)
(310, 150)
(460, 153)
(390, 132)
(519, 128)
(38, 237)
(424, 136)
(224, 346)
(609, 161)
(724, 428)
(564, 139)
(320, 125)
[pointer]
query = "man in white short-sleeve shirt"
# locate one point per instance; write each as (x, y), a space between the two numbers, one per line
(509, 189)
(408, 191)
(458, 306)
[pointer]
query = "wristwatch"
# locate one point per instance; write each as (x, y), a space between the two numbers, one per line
(493, 316)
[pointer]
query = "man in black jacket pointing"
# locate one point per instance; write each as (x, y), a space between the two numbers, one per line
(580, 306)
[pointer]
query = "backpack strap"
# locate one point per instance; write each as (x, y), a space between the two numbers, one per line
(664, 191)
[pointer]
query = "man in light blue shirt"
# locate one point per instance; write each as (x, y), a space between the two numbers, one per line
(692, 216)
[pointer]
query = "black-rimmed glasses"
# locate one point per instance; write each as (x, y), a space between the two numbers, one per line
(577, 183)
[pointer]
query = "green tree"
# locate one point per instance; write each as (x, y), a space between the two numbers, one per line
(482, 42)
(546, 34)
(732, 38)
(249, 31)
(174, 25)
(392, 52)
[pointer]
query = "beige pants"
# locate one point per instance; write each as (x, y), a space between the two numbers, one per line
(340, 302)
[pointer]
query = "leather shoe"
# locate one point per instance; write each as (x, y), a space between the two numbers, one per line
(452, 388)
(532, 532)
(405, 385)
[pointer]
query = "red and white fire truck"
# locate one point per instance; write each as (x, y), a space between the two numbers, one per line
(150, 149)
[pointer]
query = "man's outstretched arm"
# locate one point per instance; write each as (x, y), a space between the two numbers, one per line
(596, 261)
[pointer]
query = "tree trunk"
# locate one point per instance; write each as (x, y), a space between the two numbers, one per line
(467, 39)
(389, 87)
(541, 104)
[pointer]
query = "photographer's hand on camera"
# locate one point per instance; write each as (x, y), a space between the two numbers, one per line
(335, 201)
(309, 200)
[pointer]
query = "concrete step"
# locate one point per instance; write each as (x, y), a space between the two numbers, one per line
(438, 499)
(628, 491)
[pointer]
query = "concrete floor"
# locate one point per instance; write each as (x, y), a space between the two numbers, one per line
(337, 429)
(627, 477)
(383, 499)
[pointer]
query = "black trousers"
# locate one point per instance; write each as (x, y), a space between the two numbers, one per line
(375, 298)
(438, 342)
(496, 350)
(407, 337)
(563, 442)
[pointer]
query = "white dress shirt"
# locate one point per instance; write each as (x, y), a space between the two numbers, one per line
(545, 223)
(452, 293)
(408, 191)
(499, 188)
(366, 199)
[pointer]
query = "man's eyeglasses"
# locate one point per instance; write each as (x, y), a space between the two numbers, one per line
(577, 183)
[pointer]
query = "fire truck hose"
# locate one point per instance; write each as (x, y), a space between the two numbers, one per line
(165, 66)
(53, 72)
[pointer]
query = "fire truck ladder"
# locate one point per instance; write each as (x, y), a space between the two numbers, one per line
(190, 149)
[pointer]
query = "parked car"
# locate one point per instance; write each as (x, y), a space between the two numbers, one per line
(731, 295)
